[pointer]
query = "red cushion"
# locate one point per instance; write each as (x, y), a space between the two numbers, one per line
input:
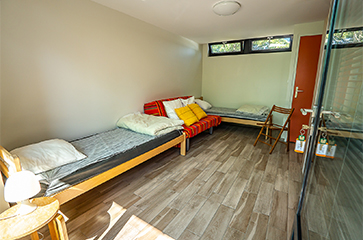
(202, 125)
(156, 108)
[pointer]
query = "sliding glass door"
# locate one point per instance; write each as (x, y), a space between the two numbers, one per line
(331, 201)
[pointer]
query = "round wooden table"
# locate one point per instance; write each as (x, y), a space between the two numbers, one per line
(23, 225)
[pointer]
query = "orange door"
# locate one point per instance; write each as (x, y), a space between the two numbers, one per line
(306, 70)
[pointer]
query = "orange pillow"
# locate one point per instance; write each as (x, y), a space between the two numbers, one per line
(198, 111)
(186, 114)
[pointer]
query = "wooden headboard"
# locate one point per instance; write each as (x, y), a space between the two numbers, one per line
(8, 163)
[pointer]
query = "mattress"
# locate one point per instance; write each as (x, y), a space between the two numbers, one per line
(104, 151)
(342, 124)
(231, 112)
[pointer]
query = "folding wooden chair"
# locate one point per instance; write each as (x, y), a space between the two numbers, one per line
(270, 126)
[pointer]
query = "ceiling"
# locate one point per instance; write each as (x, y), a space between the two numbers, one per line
(195, 19)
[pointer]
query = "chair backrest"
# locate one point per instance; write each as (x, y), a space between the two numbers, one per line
(282, 110)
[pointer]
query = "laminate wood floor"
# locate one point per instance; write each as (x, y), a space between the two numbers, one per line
(223, 189)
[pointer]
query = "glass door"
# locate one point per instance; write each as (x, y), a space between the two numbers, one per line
(331, 200)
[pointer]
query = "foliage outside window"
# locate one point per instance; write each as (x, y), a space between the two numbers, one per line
(248, 46)
(226, 48)
(347, 38)
(271, 44)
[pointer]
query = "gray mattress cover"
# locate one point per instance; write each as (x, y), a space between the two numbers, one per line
(231, 112)
(337, 124)
(104, 151)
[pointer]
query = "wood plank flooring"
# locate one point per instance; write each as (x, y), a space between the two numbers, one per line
(223, 189)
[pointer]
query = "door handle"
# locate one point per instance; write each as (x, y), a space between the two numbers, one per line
(297, 91)
(306, 111)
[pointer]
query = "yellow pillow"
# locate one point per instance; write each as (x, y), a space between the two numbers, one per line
(198, 111)
(186, 114)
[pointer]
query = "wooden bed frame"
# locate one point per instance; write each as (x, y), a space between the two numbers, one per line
(80, 188)
(242, 121)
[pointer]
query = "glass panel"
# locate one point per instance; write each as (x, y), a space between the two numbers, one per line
(347, 37)
(273, 43)
(333, 207)
(226, 48)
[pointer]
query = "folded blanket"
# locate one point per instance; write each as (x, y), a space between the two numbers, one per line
(149, 124)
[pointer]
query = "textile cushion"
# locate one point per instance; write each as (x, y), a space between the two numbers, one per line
(187, 101)
(46, 155)
(187, 115)
(202, 125)
(198, 111)
(254, 109)
(156, 108)
(170, 107)
(203, 104)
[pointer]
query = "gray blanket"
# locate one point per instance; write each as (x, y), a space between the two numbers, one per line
(98, 148)
(231, 112)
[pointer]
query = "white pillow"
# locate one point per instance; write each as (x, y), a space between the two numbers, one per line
(203, 104)
(46, 155)
(254, 109)
(187, 101)
(170, 106)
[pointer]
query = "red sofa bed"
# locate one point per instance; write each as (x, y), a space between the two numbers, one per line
(156, 108)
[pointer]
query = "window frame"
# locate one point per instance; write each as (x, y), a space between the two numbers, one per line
(210, 53)
(246, 45)
(272, 50)
(348, 45)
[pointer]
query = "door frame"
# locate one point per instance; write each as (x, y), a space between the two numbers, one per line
(315, 117)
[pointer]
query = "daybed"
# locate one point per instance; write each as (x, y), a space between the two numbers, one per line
(108, 154)
(157, 108)
(231, 115)
(344, 126)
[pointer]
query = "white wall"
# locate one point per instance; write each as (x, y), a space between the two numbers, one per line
(230, 81)
(0, 72)
(72, 68)
(3, 204)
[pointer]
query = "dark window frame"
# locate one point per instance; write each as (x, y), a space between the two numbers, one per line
(247, 46)
(273, 50)
(348, 45)
(226, 53)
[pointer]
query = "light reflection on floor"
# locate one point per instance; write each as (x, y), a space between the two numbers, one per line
(135, 228)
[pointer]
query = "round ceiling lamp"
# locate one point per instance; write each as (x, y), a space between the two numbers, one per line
(226, 8)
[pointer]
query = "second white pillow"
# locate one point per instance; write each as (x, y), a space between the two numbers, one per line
(170, 107)
(187, 101)
(203, 104)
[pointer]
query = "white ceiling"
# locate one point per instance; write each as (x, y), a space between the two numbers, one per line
(195, 19)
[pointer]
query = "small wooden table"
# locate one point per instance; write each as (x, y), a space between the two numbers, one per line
(24, 225)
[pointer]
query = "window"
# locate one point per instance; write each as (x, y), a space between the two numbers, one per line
(226, 48)
(271, 44)
(247, 46)
(352, 37)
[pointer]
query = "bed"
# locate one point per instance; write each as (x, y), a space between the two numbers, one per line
(232, 116)
(108, 154)
(344, 126)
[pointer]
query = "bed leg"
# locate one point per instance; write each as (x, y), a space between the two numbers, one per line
(187, 142)
(211, 130)
(183, 146)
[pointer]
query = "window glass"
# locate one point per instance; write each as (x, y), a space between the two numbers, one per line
(347, 37)
(226, 47)
(271, 43)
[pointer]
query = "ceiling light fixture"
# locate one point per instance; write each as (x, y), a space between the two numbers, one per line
(226, 8)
